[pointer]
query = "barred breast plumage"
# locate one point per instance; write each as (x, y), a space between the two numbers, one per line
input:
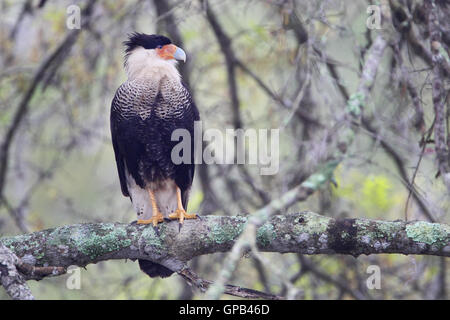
(144, 114)
(146, 109)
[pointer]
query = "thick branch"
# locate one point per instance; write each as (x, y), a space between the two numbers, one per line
(10, 278)
(306, 233)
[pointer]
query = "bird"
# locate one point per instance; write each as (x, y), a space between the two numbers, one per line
(145, 110)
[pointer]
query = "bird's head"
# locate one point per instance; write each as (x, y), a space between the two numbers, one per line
(151, 55)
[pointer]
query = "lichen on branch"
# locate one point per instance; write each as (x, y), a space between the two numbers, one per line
(306, 233)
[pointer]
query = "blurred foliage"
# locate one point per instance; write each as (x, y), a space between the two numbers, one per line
(371, 194)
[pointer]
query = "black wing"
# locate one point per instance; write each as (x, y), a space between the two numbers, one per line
(184, 174)
(120, 158)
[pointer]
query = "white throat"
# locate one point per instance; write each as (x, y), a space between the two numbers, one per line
(146, 64)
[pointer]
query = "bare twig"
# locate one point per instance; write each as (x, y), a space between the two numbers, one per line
(201, 284)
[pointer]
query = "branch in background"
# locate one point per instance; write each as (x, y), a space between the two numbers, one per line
(16, 215)
(166, 19)
(419, 122)
(225, 43)
(442, 152)
(305, 116)
(359, 99)
(324, 175)
(41, 74)
(442, 279)
(201, 284)
(356, 103)
(403, 24)
(230, 61)
(400, 165)
(391, 152)
(26, 9)
(308, 266)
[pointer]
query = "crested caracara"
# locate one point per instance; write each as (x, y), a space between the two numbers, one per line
(146, 109)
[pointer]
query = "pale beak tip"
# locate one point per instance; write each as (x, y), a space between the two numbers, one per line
(180, 54)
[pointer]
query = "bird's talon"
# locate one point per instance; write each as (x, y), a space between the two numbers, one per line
(141, 221)
(182, 214)
(153, 220)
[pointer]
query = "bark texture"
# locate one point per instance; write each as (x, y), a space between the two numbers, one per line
(10, 278)
(305, 233)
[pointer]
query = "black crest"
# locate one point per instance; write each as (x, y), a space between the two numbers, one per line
(145, 40)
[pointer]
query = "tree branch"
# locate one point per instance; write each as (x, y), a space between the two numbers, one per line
(305, 233)
(10, 278)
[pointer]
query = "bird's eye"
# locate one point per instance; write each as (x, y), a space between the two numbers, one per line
(159, 46)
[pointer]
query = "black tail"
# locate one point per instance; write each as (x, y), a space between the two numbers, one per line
(154, 269)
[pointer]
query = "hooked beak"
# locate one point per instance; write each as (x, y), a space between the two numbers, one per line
(171, 51)
(180, 54)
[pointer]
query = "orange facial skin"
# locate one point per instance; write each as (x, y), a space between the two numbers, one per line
(167, 51)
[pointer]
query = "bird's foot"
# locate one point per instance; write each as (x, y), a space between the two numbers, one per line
(155, 219)
(181, 214)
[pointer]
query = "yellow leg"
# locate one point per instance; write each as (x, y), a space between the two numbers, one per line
(156, 216)
(180, 213)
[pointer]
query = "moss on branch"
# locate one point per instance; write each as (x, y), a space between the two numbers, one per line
(306, 233)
